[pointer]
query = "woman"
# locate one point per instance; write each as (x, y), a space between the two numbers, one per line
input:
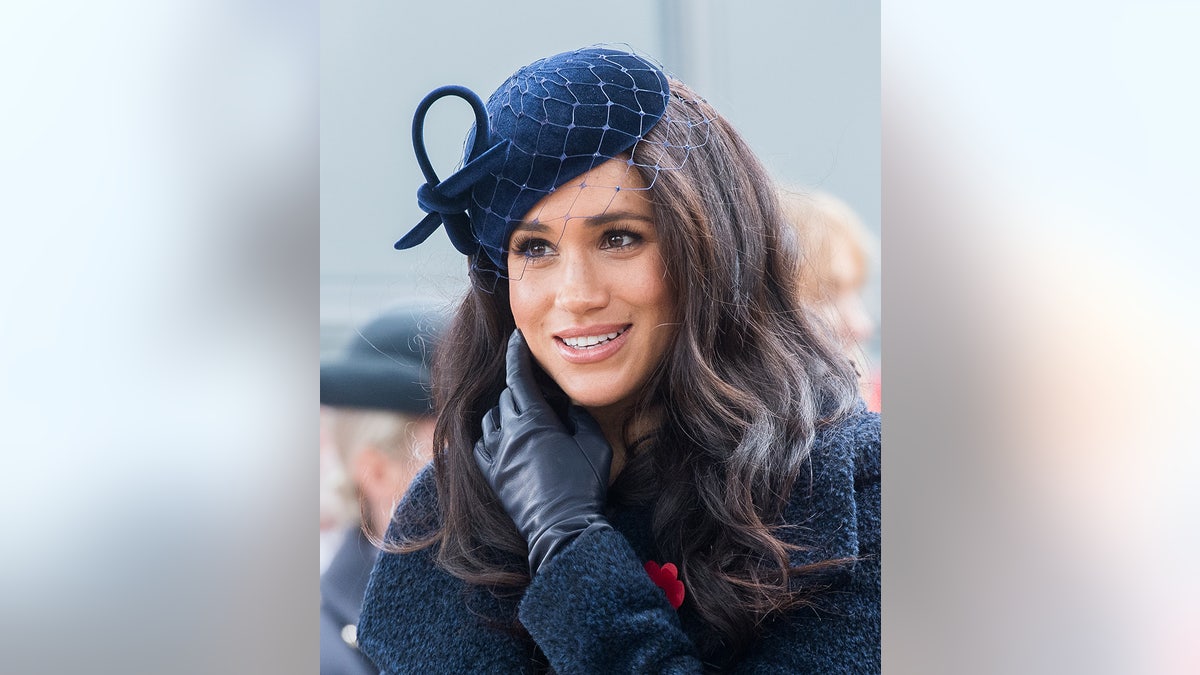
(652, 460)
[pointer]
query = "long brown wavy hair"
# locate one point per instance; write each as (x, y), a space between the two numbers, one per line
(747, 381)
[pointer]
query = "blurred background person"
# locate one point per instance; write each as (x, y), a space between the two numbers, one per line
(337, 512)
(376, 432)
(837, 251)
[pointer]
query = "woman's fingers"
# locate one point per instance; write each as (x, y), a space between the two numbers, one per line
(584, 423)
(491, 422)
(519, 377)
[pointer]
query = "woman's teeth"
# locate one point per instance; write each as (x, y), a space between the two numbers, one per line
(590, 340)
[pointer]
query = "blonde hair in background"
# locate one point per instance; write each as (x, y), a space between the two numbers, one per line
(836, 255)
(353, 430)
(836, 248)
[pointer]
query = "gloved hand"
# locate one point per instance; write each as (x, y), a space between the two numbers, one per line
(552, 482)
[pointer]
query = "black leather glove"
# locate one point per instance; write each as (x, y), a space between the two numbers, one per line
(552, 481)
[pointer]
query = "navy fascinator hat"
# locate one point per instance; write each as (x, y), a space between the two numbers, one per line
(551, 121)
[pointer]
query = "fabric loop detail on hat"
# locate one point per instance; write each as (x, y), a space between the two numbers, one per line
(432, 200)
(446, 202)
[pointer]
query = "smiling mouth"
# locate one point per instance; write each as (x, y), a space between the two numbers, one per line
(592, 341)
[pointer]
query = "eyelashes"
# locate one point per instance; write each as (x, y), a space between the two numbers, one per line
(618, 239)
(532, 247)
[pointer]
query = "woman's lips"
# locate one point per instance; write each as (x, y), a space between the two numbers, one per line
(594, 353)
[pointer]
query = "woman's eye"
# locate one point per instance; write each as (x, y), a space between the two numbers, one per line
(533, 248)
(619, 240)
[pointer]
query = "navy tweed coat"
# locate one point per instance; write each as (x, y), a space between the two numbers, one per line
(593, 608)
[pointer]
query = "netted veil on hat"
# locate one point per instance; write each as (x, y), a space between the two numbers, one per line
(551, 121)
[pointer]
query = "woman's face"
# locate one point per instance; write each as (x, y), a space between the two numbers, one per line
(588, 286)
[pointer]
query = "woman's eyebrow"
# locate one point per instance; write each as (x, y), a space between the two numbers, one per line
(532, 226)
(599, 219)
(617, 216)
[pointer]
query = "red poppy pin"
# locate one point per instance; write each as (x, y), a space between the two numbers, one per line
(667, 578)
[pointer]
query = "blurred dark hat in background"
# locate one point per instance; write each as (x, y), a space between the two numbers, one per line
(386, 365)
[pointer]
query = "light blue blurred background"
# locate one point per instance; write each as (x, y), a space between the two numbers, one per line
(800, 80)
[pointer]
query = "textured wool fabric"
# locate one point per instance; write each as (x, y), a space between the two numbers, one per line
(553, 120)
(593, 608)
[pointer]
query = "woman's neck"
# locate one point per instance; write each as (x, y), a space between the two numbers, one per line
(614, 423)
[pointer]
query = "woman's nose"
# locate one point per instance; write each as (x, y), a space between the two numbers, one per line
(582, 285)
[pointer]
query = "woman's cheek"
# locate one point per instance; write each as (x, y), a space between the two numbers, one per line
(526, 308)
(517, 305)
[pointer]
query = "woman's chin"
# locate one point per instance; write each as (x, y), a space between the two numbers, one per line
(592, 399)
(596, 391)
(592, 402)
